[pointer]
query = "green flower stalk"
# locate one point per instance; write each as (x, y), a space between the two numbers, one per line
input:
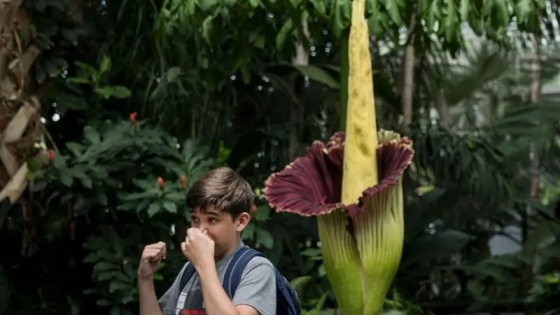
(353, 184)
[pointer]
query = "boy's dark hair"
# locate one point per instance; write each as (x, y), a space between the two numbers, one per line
(224, 189)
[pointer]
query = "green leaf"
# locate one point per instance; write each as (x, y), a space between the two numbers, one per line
(113, 91)
(92, 135)
(426, 248)
(105, 266)
(87, 68)
(341, 9)
(310, 252)
(265, 238)
(502, 13)
(72, 102)
(543, 230)
(78, 80)
(248, 231)
(84, 179)
(283, 33)
(103, 302)
(120, 92)
(282, 85)
(153, 209)
(173, 73)
(170, 207)
(207, 4)
(465, 9)
(117, 285)
(175, 197)
(259, 42)
(374, 21)
(152, 193)
(320, 7)
(450, 23)
(105, 65)
(524, 8)
(254, 3)
(393, 8)
(66, 179)
(318, 74)
(207, 29)
(263, 213)
(432, 14)
(322, 271)
(74, 148)
(33, 166)
(246, 73)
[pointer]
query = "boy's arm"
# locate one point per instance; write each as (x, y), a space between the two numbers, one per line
(148, 301)
(150, 305)
(257, 288)
(216, 301)
(255, 295)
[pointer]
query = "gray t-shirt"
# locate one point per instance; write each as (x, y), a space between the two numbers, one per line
(257, 288)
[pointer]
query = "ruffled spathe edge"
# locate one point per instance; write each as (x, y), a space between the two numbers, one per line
(394, 155)
(312, 184)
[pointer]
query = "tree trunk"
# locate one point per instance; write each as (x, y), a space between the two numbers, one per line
(408, 75)
(436, 92)
(297, 108)
(534, 178)
(20, 124)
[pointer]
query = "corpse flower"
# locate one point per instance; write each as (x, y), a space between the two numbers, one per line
(353, 184)
(361, 242)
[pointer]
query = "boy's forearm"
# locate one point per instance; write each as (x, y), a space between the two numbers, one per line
(216, 301)
(148, 301)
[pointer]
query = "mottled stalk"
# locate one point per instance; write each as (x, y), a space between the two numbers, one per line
(341, 261)
(380, 235)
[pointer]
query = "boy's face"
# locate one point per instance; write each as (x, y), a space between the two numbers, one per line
(221, 228)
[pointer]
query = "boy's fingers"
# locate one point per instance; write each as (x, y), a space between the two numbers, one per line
(164, 251)
(190, 233)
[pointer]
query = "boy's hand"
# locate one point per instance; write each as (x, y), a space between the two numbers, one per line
(150, 260)
(198, 248)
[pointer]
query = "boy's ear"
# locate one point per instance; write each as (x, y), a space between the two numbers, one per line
(242, 221)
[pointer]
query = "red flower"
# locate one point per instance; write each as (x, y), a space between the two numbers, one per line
(253, 210)
(183, 181)
(51, 155)
(132, 118)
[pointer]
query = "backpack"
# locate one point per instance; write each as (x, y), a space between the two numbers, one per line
(287, 302)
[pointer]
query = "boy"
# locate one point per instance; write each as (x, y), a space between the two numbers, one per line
(219, 205)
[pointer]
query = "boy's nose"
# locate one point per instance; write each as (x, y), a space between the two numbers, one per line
(203, 228)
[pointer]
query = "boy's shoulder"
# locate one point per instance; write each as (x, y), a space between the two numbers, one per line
(259, 264)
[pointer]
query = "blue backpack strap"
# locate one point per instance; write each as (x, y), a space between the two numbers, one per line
(235, 268)
(188, 273)
(287, 301)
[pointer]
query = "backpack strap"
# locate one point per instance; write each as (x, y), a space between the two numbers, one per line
(235, 268)
(286, 297)
(188, 273)
(287, 302)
